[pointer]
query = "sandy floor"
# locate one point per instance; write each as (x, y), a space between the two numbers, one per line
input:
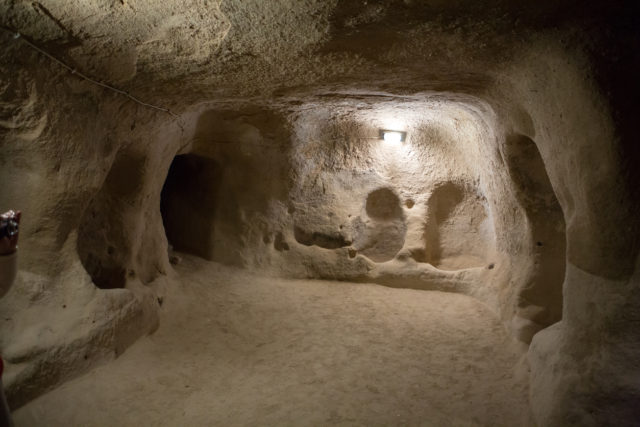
(234, 349)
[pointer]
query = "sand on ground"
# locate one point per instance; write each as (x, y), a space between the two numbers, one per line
(239, 349)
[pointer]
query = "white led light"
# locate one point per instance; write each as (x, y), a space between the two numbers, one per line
(392, 136)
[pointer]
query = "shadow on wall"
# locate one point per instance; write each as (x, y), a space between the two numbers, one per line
(320, 239)
(381, 233)
(457, 234)
(103, 238)
(540, 301)
(238, 176)
(188, 204)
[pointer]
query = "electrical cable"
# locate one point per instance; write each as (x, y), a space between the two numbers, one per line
(17, 35)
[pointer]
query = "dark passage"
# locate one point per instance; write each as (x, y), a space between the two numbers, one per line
(188, 204)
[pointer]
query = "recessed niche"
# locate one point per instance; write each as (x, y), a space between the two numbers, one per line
(383, 205)
(457, 233)
(381, 234)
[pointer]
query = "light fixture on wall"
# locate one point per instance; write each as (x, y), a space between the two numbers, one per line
(392, 136)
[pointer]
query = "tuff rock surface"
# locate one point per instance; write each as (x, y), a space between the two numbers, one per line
(516, 183)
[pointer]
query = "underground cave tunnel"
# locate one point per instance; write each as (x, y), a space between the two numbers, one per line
(321, 212)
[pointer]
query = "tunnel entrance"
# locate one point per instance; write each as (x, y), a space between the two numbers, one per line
(540, 302)
(188, 204)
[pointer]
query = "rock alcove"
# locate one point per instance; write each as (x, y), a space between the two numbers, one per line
(207, 182)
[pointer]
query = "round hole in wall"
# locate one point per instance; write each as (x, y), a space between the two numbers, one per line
(383, 204)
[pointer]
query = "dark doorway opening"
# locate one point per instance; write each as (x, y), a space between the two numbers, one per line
(188, 204)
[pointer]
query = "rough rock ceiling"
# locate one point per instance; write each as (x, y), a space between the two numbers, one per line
(180, 52)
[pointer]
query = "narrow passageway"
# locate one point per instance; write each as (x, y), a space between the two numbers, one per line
(238, 349)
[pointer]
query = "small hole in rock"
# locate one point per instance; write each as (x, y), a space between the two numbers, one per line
(279, 244)
(490, 266)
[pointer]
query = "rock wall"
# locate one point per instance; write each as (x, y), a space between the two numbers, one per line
(316, 193)
(58, 151)
(581, 361)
